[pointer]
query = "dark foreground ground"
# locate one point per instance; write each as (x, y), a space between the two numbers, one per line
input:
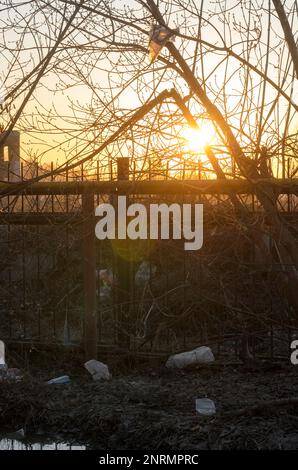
(152, 408)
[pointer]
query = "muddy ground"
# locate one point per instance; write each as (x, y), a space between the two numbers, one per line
(149, 407)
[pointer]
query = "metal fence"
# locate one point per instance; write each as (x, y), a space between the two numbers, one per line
(148, 296)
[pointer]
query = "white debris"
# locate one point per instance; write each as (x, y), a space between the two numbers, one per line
(205, 407)
(64, 379)
(202, 355)
(2, 355)
(98, 370)
(6, 374)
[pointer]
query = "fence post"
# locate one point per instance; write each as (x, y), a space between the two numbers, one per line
(89, 273)
(123, 268)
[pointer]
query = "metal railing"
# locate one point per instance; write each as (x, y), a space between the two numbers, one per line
(61, 286)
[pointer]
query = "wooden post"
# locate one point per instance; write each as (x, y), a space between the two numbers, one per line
(123, 270)
(89, 272)
(123, 169)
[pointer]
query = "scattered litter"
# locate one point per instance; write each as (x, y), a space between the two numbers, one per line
(202, 355)
(14, 375)
(144, 273)
(64, 379)
(2, 355)
(10, 375)
(159, 36)
(205, 407)
(98, 370)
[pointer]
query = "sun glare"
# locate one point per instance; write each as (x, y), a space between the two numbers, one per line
(197, 139)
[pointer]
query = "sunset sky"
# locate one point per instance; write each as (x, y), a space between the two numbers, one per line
(68, 97)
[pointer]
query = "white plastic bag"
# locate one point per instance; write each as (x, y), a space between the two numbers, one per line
(159, 36)
(98, 370)
(202, 355)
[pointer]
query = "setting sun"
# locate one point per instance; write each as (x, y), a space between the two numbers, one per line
(196, 139)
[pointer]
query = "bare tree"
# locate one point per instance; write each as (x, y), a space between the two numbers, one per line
(232, 68)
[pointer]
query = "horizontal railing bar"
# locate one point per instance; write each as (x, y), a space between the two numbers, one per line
(75, 218)
(286, 186)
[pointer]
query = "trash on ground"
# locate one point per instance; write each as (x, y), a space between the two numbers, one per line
(98, 370)
(205, 407)
(2, 354)
(10, 375)
(14, 374)
(63, 379)
(201, 355)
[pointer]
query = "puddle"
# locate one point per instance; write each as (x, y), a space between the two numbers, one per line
(15, 444)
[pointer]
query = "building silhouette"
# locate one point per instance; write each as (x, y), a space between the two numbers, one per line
(10, 166)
